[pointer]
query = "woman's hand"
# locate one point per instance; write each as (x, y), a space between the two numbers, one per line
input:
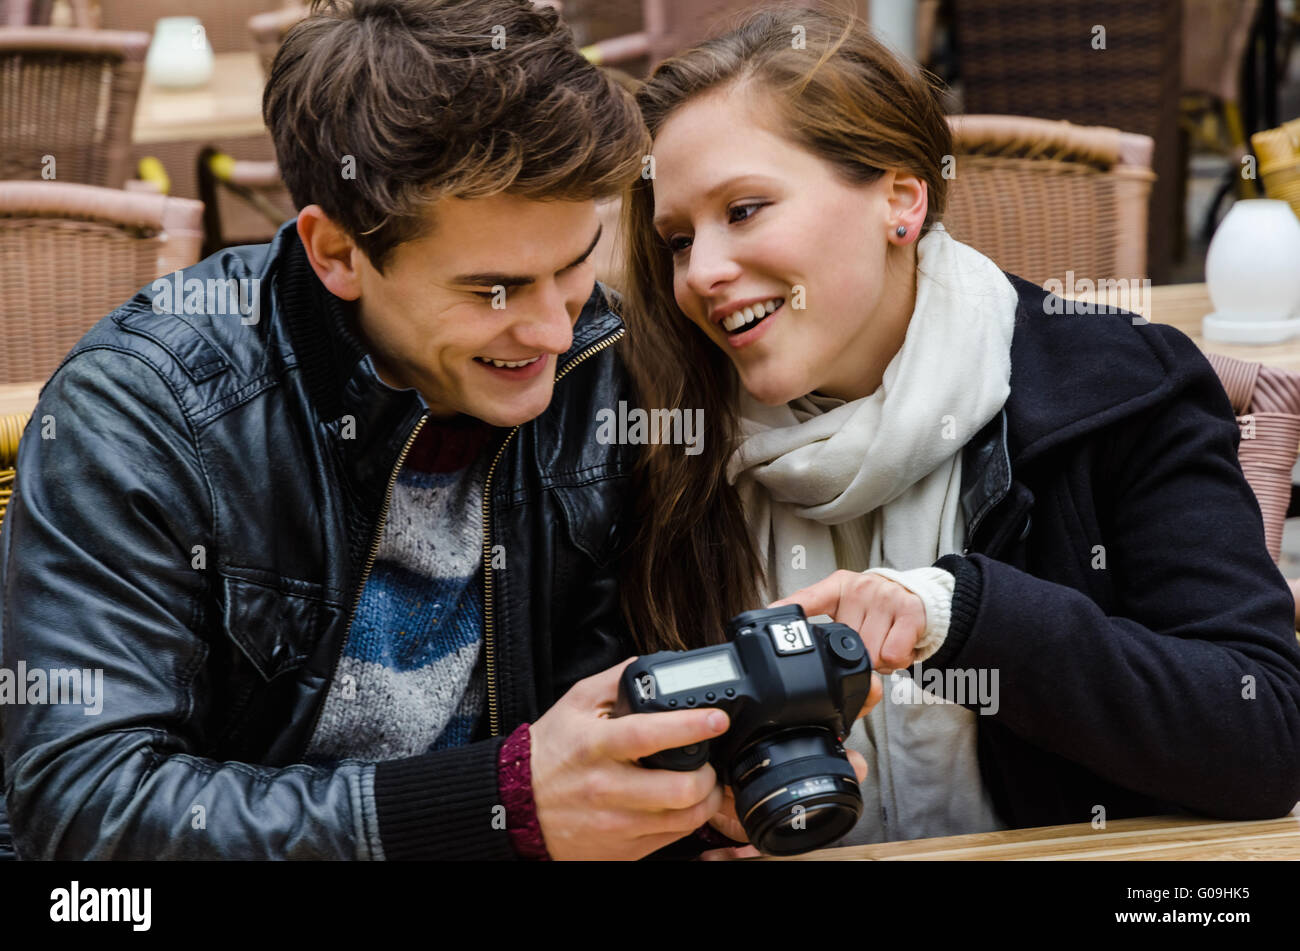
(889, 618)
(728, 823)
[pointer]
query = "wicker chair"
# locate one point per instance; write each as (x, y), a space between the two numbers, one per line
(69, 95)
(268, 29)
(11, 431)
(1043, 198)
(69, 254)
(1215, 36)
(1267, 403)
(1044, 60)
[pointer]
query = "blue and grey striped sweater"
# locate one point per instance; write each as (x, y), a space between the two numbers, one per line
(411, 676)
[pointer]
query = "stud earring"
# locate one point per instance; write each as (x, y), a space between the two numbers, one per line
(901, 231)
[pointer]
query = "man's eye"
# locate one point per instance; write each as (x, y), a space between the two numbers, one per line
(486, 295)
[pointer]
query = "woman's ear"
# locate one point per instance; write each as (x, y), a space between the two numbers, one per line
(331, 251)
(909, 200)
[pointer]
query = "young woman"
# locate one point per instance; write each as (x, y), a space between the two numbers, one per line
(1045, 512)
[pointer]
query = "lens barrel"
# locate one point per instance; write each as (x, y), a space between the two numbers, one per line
(795, 791)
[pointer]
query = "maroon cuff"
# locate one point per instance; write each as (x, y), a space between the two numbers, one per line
(515, 780)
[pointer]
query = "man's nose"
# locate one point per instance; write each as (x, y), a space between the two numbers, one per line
(548, 325)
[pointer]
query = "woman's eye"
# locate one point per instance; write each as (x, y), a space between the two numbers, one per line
(750, 208)
(678, 243)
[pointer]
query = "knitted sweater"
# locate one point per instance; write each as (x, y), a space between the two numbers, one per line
(410, 679)
(411, 675)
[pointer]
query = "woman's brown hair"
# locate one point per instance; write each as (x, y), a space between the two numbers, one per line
(842, 95)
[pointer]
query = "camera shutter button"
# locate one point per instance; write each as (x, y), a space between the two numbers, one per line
(847, 647)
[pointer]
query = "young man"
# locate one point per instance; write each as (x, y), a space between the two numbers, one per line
(322, 560)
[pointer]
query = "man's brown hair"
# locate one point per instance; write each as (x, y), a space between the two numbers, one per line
(380, 107)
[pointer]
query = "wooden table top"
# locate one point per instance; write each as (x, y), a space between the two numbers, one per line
(229, 106)
(1185, 306)
(1157, 838)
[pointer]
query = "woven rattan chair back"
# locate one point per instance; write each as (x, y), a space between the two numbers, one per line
(1114, 63)
(267, 30)
(69, 254)
(1044, 199)
(68, 100)
(1267, 403)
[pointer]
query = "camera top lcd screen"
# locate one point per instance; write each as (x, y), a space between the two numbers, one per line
(713, 668)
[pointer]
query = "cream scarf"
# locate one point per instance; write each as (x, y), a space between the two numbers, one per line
(875, 483)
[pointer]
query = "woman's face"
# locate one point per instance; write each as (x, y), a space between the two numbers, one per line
(796, 275)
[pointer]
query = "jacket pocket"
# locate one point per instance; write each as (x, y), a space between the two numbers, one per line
(591, 515)
(275, 621)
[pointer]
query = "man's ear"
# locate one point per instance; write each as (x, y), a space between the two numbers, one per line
(332, 253)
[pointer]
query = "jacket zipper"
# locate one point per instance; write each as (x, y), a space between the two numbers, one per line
(489, 628)
(370, 563)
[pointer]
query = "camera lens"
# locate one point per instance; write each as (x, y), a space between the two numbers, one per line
(795, 791)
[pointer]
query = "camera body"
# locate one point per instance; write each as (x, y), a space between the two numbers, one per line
(791, 690)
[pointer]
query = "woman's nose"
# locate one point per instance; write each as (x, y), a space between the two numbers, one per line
(711, 265)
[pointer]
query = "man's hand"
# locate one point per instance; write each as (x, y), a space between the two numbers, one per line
(728, 823)
(593, 800)
(889, 618)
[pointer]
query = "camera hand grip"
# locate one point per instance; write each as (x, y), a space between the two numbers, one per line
(682, 759)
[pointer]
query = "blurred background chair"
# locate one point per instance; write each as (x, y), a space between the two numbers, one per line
(1043, 198)
(226, 182)
(69, 100)
(69, 254)
(1215, 38)
(1112, 63)
(1267, 403)
(11, 431)
(267, 31)
(243, 194)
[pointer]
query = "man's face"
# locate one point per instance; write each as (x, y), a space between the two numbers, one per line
(495, 279)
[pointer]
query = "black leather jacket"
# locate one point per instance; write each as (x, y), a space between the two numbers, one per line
(198, 523)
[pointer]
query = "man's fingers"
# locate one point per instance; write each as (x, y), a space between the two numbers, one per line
(641, 734)
(599, 691)
(628, 786)
(678, 823)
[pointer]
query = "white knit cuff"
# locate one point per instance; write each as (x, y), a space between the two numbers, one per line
(934, 586)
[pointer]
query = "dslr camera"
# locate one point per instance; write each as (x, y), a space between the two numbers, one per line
(792, 690)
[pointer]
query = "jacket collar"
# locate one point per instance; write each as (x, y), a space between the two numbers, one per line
(1072, 373)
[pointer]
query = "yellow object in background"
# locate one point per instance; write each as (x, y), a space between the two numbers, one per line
(1278, 151)
(151, 170)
